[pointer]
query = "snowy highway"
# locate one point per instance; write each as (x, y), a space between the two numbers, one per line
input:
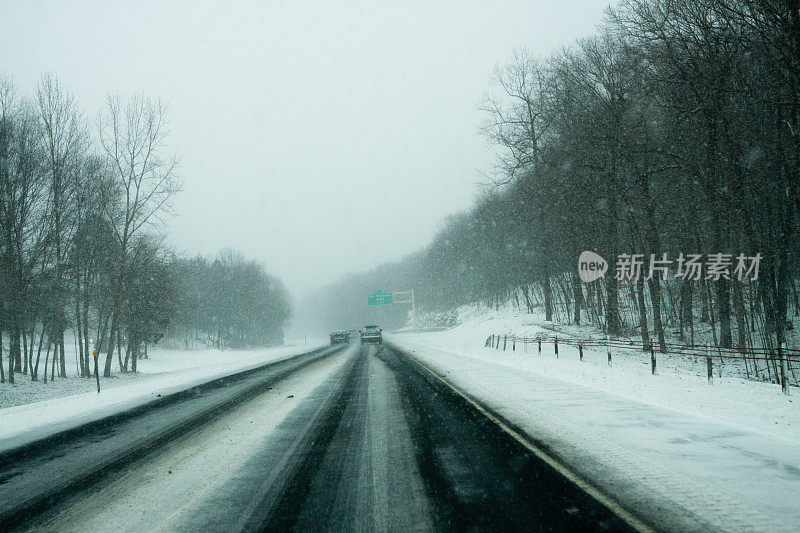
(407, 266)
(357, 438)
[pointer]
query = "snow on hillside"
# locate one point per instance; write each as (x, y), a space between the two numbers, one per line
(469, 326)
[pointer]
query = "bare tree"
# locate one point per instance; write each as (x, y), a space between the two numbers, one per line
(133, 138)
(515, 123)
(23, 199)
(66, 142)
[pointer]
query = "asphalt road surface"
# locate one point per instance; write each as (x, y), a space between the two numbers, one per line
(358, 438)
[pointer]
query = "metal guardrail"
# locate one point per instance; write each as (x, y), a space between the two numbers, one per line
(784, 360)
(419, 330)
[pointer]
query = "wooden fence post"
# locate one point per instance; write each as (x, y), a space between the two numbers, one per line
(580, 351)
(652, 360)
(556, 345)
(784, 370)
(540, 346)
(505, 341)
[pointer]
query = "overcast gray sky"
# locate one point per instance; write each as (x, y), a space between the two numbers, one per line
(317, 137)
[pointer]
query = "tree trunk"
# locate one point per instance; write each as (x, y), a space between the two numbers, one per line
(62, 362)
(123, 366)
(79, 332)
(18, 354)
(47, 358)
(741, 318)
(765, 291)
(658, 323)
(128, 355)
(134, 357)
(13, 354)
(24, 352)
(35, 371)
(782, 273)
(547, 290)
(724, 313)
(613, 323)
(2, 370)
(687, 309)
(87, 351)
(528, 304)
(647, 345)
(53, 364)
(704, 318)
(707, 286)
(577, 293)
(32, 337)
(110, 354)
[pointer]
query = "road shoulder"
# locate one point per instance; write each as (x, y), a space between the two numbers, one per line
(669, 468)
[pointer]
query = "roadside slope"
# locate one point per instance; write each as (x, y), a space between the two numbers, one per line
(667, 462)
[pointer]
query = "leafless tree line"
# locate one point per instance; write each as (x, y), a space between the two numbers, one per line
(675, 128)
(80, 208)
(228, 302)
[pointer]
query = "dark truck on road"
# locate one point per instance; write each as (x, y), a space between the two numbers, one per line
(371, 335)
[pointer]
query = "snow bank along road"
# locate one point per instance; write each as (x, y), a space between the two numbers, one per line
(359, 438)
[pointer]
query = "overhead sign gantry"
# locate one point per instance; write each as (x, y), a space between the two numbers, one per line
(399, 297)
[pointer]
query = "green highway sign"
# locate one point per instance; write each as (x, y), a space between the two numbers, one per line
(380, 298)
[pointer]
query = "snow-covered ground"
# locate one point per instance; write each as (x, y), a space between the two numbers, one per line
(33, 410)
(470, 325)
(725, 455)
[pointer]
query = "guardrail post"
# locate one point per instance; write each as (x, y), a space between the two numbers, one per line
(709, 365)
(784, 370)
(652, 360)
(505, 341)
(609, 357)
(580, 351)
(556, 345)
(513, 345)
(540, 346)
